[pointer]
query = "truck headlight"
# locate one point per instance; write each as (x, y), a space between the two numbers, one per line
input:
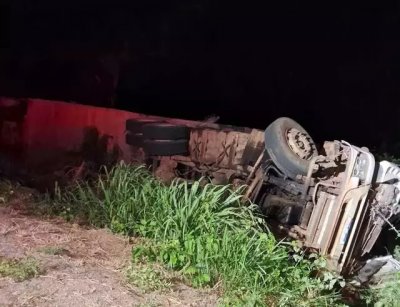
(361, 167)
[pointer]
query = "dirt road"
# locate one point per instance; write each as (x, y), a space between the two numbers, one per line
(78, 266)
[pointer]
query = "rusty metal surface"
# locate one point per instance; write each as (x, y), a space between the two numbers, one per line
(300, 143)
(222, 149)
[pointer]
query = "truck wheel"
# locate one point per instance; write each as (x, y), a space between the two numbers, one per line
(166, 147)
(160, 131)
(289, 146)
(136, 125)
(134, 139)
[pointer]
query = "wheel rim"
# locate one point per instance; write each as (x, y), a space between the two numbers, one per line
(300, 143)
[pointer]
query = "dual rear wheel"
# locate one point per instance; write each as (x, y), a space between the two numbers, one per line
(157, 139)
(287, 143)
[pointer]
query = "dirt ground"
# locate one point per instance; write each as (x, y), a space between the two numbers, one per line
(87, 269)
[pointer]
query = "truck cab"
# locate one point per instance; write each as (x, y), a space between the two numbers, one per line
(336, 201)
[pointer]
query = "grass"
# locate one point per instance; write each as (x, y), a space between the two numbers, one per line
(19, 270)
(148, 277)
(203, 232)
(386, 295)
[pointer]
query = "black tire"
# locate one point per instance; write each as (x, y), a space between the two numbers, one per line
(279, 151)
(166, 147)
(160, 131)
(136, 125)
(135, 140)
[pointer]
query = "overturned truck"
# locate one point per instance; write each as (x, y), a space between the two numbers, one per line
(336, 200)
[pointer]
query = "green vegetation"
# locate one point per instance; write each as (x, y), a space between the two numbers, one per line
(205, 233)
(386, 295)
(19, 269)
(148, 277)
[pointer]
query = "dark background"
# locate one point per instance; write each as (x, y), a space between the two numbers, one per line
(334, 67)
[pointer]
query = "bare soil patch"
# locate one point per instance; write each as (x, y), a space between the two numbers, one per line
(80, 266)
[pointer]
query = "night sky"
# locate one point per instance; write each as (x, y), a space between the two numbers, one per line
(335, 69)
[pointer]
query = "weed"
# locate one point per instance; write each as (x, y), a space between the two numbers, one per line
(148, 277)
(19, 270)
(386, 295)
(205, 233)
(114, 200)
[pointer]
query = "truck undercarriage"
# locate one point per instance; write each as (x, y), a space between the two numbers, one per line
(338, 202)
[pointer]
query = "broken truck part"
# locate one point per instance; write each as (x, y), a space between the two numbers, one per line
(337, 202)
